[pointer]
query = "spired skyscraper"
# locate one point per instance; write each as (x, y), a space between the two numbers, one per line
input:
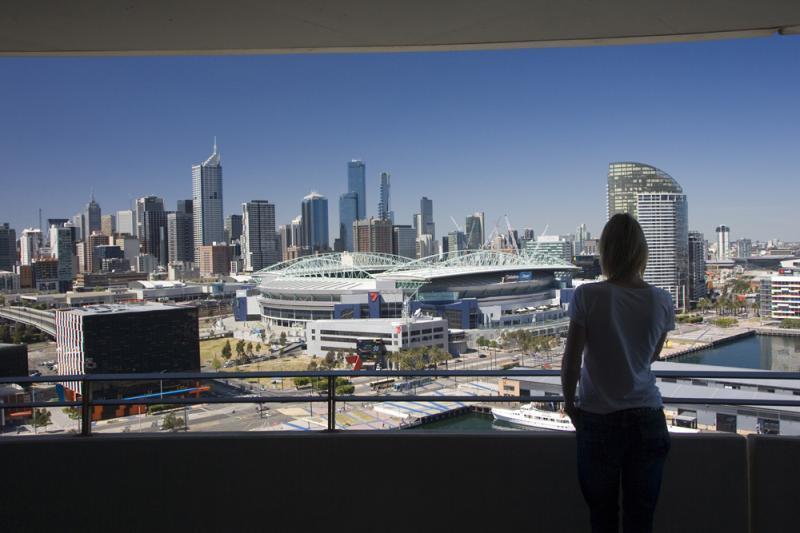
(357, 183)
(207, 202)
(91, 217)
(657, 201)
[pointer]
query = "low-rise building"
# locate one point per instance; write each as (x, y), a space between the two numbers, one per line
(780, 295)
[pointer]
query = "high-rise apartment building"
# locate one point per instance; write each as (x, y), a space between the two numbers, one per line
(91, 217)
(404, 241)
(372, 235)
(664, 218)
(207, 202)
(357, 183)
(314, 210)
(697, 268)
(180, 236)
(456, 243)
(63, 249)
(723, 242)
(129, 246)
(426, 217)
(151, 222)
(125, 223)
(475, 231)
(77, 222)
(348, 213)
(214, 259)
(384, 209)
(780, 295)
(744, 248)
(233, 227)
(108, 225)
(29, 244)
(91, 258)
(259, 248)
(291, 239)
(581, 236)
(8, 247)
(426, 246)
(185, 206)
(626, 180)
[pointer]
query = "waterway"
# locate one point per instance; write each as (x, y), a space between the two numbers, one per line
(760, 351)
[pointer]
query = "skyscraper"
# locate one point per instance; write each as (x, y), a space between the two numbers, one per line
(628, 179)
(314, 210)
(180, 236)
(233, 227)
(723, 242)
(348, 213)
(372, 235)
(697, 267)
(426, 211)
(475, 230)
(125, 223)
(151, 227)
(29, 244)
(91, 217)
(259, 249)
(357, 183)
(456, 243)
(664, 218)
(185, 206)
(384, 209)
(207, 202)
(63, 248)
(291, 239)
(108, 225)
(404, 241)
(91, 258)
(8, 247)
(744, 248)
(581, 236)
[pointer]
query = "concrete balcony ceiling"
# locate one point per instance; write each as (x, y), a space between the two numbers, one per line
(137, 27)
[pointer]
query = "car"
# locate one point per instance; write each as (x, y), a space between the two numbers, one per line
(35, 373)
(482, 356)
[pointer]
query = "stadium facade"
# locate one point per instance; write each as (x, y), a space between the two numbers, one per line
(477, 289)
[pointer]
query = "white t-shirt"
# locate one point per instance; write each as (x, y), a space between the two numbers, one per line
(623, 326)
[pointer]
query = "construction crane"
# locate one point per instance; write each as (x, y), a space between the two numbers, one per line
(511, 234)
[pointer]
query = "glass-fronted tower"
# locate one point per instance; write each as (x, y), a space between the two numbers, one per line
(426, 225)
(259, 249)
(348, 213)
(723, 242)
(384, 210)
(91, 217)
(207, 202)
(664, 218)
(357, 183)
(314, 211)
(475, 230)
(697, 268)
(628, 179)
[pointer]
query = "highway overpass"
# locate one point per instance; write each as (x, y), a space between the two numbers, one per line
(43, 320)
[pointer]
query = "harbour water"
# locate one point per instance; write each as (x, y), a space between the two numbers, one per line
(760, 351)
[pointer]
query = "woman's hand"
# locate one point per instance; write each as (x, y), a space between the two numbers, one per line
(572, 412)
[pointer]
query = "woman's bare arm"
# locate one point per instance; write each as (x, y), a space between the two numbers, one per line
(571, 365)
(659, 347)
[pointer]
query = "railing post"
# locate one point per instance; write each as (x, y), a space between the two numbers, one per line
(331, 402)
(86, 409)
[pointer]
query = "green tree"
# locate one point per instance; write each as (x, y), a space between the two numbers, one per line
(703, 304)
(493, 344)
(258, 347)
(216, 364)
(41, 417)
(226, 350)
(172, 422)
(240, 349)
(282, 339)
(250, 348)
(73, 413)
(330, 359)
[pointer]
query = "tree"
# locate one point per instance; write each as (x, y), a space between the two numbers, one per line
(240, 349)
(312, 365)
(330, 359)
(250, 348)
(493, 344)
(73, 413)
(226, 350)
(216, 364)
(41, 417)
(282, 340)
(258, 347)
(703, 304)
(172, 422)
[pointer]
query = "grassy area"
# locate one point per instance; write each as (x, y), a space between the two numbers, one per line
(213, 348)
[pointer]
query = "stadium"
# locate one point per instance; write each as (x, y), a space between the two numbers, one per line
(477, 289)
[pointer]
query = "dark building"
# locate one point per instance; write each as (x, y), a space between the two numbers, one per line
(117, 339)
(8, 247)
(233, 227)
(13, 360)
(589, 265)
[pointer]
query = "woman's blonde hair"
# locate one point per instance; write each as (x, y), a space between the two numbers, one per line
(623, 248)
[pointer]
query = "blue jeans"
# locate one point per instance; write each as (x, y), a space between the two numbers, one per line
(626, 448)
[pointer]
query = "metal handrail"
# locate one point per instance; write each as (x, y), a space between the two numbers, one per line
(330, 397)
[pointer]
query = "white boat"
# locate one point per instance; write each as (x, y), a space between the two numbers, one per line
(531, 416)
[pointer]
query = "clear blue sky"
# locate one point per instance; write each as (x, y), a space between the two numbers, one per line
(526, 132)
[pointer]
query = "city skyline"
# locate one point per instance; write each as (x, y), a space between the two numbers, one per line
(465, 148)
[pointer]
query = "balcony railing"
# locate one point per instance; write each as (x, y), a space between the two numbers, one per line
(331, 398)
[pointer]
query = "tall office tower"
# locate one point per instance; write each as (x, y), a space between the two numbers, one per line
(8, 247)
(697, 268)
(456, 243)
(357, 183)
(581, 236)
(180, 236)
(77, 221)
(416, 222)
(233, 228)
(744, 248)
(108, 225)
(151, 227)
(384, 209)
(314, 211)
(426, 210)
(445, 248)
(404, 241)
(185, 206)
(475, 230)
(92, 262)
(29, 244)
(723, 242)
(57, 222)
(125, 223)
(291, 238)
(664, 218)
(91, 217)
(259, 249)
(207, 202)
(348, 213)
(372, 235)
(63, 248)
(426, 246)
(627, 179)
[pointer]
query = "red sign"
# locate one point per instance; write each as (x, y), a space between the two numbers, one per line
(373, 297)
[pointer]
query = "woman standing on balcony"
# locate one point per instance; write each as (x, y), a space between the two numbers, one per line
(619, 327)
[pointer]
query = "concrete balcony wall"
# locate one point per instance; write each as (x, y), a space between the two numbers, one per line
(354, 481)
(774, 466)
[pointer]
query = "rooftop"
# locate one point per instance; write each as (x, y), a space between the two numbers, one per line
(90, 310)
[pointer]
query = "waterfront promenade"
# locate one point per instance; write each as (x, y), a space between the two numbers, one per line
(688, 338)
